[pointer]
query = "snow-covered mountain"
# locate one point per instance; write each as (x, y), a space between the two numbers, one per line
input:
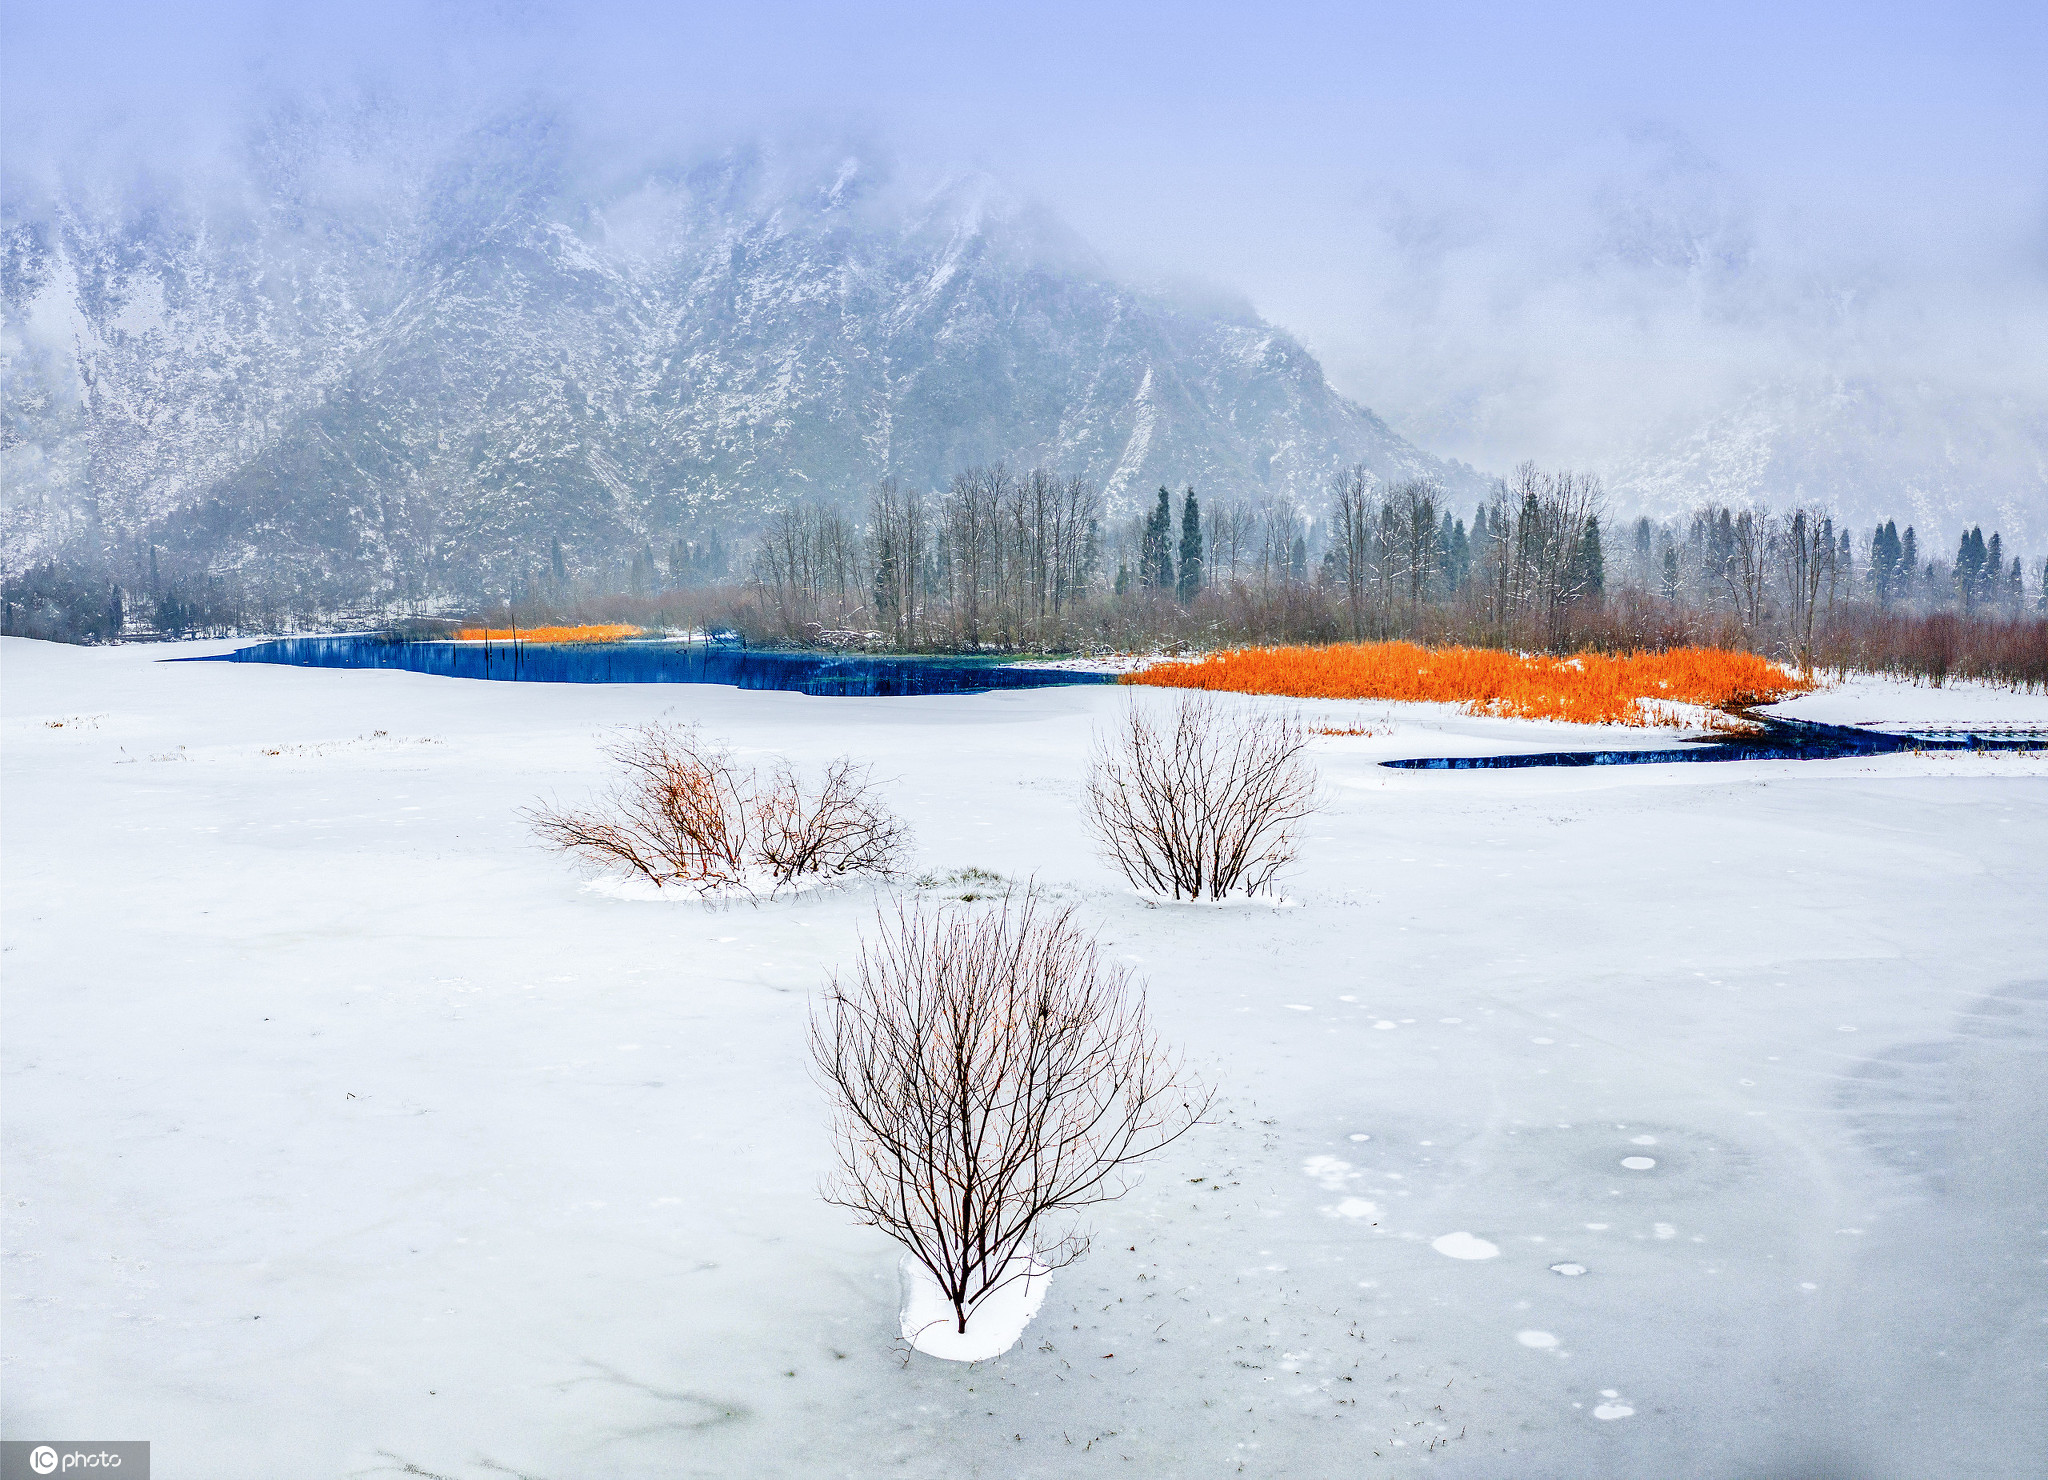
(427, 373)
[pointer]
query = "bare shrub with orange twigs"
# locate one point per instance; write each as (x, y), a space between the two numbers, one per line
(686, 813)
(1202, 802)
(1588, 688)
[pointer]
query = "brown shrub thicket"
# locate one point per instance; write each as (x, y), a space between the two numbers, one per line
(988, 1070)
(1200, 803)
(685, 813)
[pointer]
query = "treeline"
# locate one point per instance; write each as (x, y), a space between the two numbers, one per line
(1031, 563)
(1037, 562)
(62, 603)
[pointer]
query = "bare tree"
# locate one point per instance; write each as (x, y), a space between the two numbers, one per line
(989, 1070)
(1230, 532)
(686, 813)
(1807, 554)
(1753, 542)
(807, 563)
(1415, 515)
(1353, 531)
(1204, 803)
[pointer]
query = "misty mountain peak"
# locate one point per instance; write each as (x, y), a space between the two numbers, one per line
(514, 346)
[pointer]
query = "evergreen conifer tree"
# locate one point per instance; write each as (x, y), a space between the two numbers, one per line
(1969, 566)
(1190, 576)
(1155, 557)
(1592, 565)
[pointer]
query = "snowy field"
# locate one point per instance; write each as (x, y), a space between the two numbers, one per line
(1640, 1121)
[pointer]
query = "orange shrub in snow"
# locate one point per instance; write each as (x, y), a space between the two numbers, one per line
(1589, 688)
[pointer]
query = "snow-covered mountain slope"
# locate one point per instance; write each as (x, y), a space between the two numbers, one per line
(431, 381)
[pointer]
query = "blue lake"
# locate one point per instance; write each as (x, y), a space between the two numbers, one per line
(862, 675)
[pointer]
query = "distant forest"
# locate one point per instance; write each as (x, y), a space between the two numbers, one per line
(1032, 563)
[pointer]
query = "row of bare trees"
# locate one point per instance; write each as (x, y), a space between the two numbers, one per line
(1022, 562)
(992, 562)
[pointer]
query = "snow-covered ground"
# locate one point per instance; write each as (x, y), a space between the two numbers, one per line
(1880, 704)
(1641, 1121)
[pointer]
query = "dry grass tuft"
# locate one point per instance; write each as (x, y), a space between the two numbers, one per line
(1587, 689)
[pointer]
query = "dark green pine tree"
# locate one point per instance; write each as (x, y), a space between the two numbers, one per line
(1884, 562)
(1190, 575)
(1909, 558)
(1155, 559)
(1591, 565)
(1969, 566)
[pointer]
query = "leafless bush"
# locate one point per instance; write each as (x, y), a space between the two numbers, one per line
(988, 1070)
(686, 813)
(840, 828)
(1202, 803)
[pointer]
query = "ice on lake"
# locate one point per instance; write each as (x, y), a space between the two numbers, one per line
(347, 1133)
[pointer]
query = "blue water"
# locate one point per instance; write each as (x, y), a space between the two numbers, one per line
(661, 662)
(1781, 740)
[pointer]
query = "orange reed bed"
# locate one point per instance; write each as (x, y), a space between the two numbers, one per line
(603, 632)
(1588, 689)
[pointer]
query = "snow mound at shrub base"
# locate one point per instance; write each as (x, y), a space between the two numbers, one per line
(758, 885)
(993, 1328)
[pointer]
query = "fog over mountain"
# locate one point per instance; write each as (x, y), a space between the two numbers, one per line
(330, 335)
(368, 362)
(1637, 308)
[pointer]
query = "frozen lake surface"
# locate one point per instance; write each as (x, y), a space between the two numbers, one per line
(1620, 1121)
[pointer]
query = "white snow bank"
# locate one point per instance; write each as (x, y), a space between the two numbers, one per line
(1884, 702)
(993, 1328)
(1098, 663)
